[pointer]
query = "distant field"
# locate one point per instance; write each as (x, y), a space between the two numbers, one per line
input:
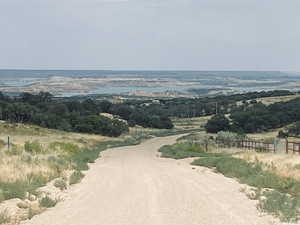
(144, 83)
(190, 123)
(271, 100)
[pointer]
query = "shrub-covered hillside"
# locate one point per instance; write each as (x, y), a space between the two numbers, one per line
(256, 117)
(77, 116)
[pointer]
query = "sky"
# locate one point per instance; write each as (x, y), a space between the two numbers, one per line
(150, 34)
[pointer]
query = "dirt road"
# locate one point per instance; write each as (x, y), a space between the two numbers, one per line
(132, 186)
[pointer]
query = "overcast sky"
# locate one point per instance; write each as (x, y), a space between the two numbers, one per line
(150, 34)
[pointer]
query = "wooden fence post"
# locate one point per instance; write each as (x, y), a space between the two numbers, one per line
(8, 142)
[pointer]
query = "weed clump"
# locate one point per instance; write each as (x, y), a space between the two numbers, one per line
(284, 206)
(33, 147)
(19, 188)
(59, 164)
(76, 177)
(67, 148)
(60, 184)
(47, 202)
(185, 150)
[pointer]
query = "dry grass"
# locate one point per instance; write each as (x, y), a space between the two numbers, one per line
(14, 168)
(265, 135)
(17, 165)
(271, 100)
(190, 123)
(284, 165)
(20, 133)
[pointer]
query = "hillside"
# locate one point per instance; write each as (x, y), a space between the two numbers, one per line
(40, 165)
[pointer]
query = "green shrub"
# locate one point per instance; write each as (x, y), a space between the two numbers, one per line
(64, 147)
(76, 177)
(70, 148)
(281, 205)
(60, 184)
(233, 167)
(2, 196)
(217, 123)
(185, 150)
(82, 158)
(47, 202)
(209, 162)
(19, 188)
(14, 190)
(33, 147)
(59, 163)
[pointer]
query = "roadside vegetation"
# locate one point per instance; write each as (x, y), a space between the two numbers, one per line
(273, 183)
(41, 164)
(184, 150)
(277, 195)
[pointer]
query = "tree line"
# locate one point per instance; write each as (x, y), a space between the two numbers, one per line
(202, 106)
(256, 117)
(66, 114)
(83, 114)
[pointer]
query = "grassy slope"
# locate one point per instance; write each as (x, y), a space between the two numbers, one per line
(37, 156)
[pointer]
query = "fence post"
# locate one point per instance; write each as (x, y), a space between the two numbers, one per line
(293, 148)
(8, 142)
(286, 146)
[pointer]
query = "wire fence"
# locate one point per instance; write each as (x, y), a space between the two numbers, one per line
(248, 144)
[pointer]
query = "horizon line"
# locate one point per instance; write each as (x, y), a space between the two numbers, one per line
(148, 70)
